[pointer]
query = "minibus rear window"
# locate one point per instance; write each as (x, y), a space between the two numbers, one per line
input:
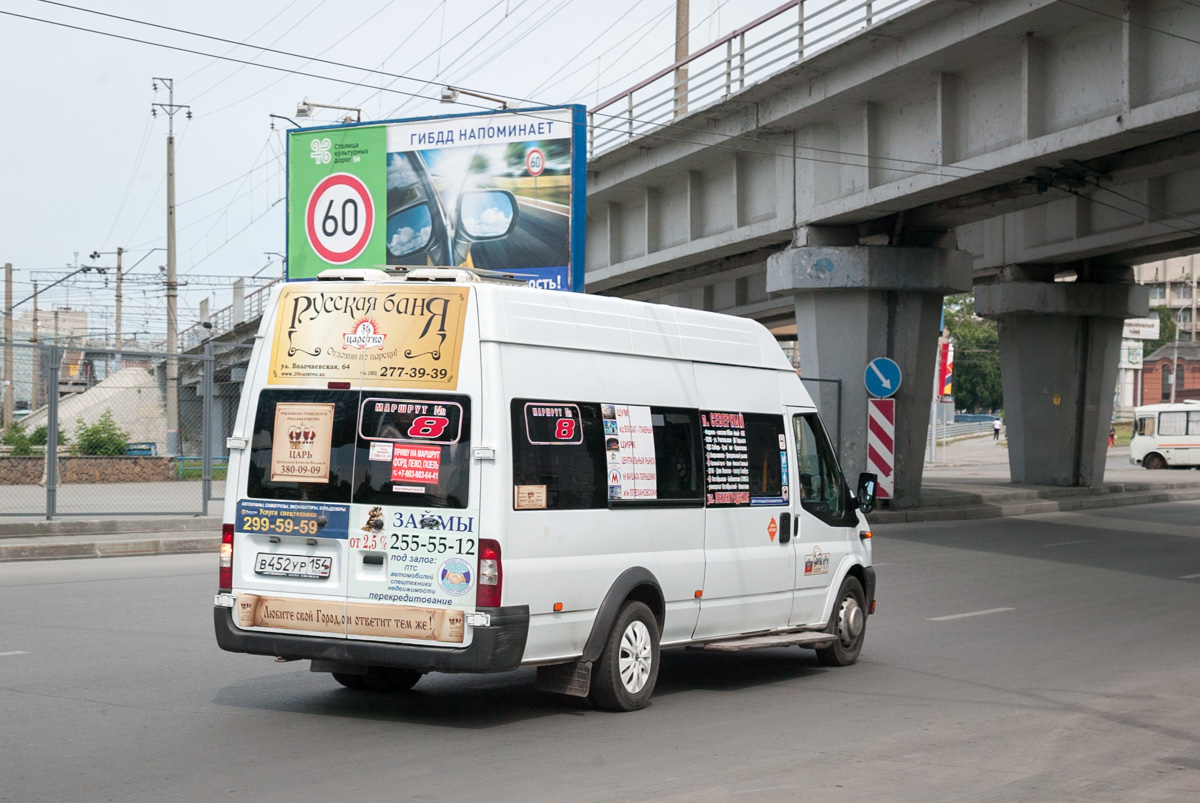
(385, 449)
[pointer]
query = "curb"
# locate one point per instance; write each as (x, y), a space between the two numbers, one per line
(62, 550)
(141, 524)
(1062, 505)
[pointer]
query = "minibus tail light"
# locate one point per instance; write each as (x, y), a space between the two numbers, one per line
(491, 575)
(226, 561)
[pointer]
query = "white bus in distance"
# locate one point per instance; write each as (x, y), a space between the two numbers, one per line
(433, 472)
(1166, 435)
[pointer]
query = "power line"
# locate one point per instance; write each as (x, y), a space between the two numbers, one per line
(552, 81)
(137, 163)
(795, 155)
(241, 67)
(277, 15)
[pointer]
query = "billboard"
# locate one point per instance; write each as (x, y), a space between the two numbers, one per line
(502, 191)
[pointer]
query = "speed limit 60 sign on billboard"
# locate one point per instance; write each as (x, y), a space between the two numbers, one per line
(502, 191)
(339, 218)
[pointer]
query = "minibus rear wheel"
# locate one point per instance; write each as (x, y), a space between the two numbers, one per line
(623, 676)
(849, 623)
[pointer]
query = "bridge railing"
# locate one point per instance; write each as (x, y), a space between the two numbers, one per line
(794, 31)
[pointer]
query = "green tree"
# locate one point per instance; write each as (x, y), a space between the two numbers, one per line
(1166, 330)
(976, 342)
(102, 438)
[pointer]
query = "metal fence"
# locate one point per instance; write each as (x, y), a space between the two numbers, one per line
(107, 411)
(793, 32)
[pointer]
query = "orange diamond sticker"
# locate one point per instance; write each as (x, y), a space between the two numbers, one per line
(772, 528)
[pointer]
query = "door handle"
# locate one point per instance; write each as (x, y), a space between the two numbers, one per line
(785, 527)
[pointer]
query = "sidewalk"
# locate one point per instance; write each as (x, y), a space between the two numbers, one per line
(969, 481)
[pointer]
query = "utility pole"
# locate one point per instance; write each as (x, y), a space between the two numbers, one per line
(1175, 365)
(8, 349)
(681, 53)
(170, 108)
(37, 354)
(1195, 323)
(120, 251)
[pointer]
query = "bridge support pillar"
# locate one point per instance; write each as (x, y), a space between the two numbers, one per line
(1059, 351)
(855, 303)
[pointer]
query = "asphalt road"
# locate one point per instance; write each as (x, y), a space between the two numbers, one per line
(1041, 658)
(539, 240)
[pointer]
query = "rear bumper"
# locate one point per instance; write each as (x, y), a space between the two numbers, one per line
(869, 572)
(497, 648)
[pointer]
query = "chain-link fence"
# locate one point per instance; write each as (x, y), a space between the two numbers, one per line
(120, 450)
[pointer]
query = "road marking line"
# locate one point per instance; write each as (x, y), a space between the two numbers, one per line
(13, 652)
(1068, 543)
(1189, 576)
(965, 615)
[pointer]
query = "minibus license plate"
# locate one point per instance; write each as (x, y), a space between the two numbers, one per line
(276, 565)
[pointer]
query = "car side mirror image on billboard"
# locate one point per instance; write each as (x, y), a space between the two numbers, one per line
(501, 191)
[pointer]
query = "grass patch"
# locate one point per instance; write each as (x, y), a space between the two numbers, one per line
(218, 473)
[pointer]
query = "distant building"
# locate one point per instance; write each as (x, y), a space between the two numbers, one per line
(1157, 372)
(1172, 284)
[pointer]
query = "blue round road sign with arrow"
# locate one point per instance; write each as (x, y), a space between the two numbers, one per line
(882, 377)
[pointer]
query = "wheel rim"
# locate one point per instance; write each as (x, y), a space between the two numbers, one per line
(636, 657)
(850, 622)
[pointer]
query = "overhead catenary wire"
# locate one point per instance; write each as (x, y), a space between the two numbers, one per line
(795, 149)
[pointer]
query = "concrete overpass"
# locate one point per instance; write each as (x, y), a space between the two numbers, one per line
(834, 170)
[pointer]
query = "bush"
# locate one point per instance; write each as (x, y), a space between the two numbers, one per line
(40, 435)
(21, 444)
(103, 438)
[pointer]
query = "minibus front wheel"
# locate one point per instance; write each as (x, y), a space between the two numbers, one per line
(848, 623)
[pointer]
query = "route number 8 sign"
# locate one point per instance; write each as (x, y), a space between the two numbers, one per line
(339, 218)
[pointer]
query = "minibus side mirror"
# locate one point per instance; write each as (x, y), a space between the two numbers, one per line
(868, 486)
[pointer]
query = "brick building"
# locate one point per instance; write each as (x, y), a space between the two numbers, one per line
(1157, 370)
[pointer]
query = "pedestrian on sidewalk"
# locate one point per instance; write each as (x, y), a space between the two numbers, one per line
(996, 430)
(1112, 437)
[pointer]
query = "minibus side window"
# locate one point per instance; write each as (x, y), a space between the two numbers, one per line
(1146, 426)
(558, 455)
(1193, 423)
(1172, 423)
(677, 453)
(822, 489)
(745, 459)
(334, 488)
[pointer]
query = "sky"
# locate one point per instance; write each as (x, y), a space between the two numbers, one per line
(84, 162)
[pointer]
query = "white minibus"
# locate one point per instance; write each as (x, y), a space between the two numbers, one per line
(1166, 435)
(436, 471)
